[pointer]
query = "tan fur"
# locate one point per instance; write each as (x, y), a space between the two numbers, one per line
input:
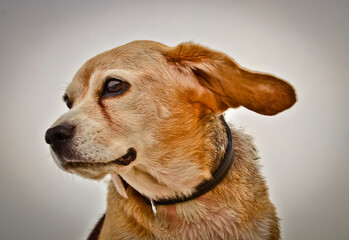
(170, 116)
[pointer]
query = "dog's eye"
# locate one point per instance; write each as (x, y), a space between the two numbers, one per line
(67, 101)
(114, 87)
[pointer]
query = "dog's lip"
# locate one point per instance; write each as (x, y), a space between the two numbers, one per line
(124, 160)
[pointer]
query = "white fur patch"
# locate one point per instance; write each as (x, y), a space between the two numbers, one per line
(119, 185)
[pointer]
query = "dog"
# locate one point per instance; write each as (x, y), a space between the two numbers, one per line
(150, 116)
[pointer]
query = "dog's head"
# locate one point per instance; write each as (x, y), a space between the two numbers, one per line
(144, 109)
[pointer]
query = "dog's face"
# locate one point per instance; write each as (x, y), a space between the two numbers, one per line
(144, 108)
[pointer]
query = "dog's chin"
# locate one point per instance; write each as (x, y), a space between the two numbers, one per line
(89, 170)
(95, 169)
(84, 169)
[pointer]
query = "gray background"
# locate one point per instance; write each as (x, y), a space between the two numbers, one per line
(304, 150)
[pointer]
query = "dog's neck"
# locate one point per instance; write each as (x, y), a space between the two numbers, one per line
(219, 137)
(217, 176)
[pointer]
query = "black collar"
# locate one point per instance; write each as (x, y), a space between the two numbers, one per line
(218, 175)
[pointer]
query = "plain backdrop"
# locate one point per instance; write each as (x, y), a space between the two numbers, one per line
(304, 151)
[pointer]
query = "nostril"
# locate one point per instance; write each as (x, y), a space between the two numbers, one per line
(47, 139)
(59, 133)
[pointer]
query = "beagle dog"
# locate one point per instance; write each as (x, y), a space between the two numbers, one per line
(150, 116)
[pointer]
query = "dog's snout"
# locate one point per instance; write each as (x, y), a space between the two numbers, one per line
(57, 136)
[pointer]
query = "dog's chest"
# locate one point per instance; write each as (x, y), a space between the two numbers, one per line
(208, 224)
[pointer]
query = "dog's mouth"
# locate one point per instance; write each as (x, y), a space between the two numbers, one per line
(129, 157)
(124, 160)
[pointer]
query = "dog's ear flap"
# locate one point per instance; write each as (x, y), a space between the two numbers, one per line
(226, 84)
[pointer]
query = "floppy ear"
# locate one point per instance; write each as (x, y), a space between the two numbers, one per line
(226, 84)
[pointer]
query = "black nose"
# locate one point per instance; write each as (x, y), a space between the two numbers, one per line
(59, 135)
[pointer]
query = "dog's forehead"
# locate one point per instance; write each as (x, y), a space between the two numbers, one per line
(135, 55)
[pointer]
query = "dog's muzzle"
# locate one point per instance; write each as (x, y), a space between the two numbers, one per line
(60, 139)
